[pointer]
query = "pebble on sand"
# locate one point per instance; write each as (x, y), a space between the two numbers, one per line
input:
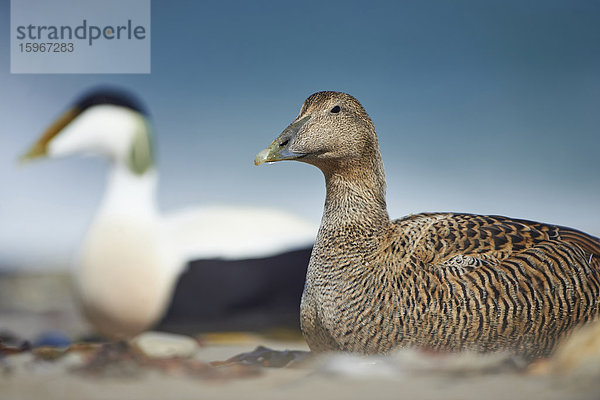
(165, 345)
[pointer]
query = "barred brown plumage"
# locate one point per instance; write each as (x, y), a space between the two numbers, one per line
(442, 281)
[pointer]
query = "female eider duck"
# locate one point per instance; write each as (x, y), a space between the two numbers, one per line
(441, 281)
(132, 255)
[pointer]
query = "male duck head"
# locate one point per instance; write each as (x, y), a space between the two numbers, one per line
(104, 122)
(332, 131)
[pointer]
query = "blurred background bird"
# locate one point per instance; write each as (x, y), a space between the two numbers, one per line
(128, 271)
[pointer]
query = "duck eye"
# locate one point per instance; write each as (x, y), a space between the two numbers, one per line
(335, 109)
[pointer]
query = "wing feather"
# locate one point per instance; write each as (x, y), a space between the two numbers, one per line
(464, 242)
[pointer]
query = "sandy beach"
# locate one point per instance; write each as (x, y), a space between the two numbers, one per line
(33, 304)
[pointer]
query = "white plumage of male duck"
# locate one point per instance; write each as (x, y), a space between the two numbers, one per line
(132, 255)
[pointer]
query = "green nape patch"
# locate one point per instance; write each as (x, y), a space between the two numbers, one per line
(142, 154)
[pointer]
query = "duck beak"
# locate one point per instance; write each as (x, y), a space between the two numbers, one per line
(280, 148)
(40, 147)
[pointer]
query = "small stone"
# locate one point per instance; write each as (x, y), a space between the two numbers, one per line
(165, 345)
(48, 353)
(72, 360)
(266, 357)
(358, 366)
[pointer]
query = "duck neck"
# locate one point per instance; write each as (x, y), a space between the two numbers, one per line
(130, 194)
(356, 196)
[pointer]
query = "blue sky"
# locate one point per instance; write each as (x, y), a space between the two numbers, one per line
(480, 106)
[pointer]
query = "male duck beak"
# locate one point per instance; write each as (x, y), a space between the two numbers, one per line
(40, 147)
(279, 150)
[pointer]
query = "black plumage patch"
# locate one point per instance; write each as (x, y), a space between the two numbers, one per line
(110, 96)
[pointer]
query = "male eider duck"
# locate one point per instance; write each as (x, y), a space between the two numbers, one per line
(132, 255)
(440, 281)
